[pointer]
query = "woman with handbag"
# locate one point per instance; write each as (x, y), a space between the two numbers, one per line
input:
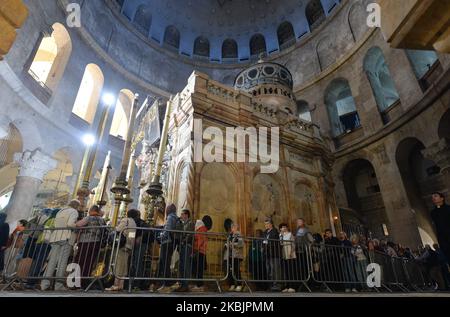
(126, 230)
(89, 242)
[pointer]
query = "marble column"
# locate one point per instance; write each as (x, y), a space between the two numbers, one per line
(33, 166)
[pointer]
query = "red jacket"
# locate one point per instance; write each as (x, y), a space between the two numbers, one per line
(200, 240)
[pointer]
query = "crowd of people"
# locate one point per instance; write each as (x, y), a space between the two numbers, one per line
(276, 259)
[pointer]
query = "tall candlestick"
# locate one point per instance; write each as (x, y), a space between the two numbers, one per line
(101, 188)
(155, 188)
(120, 186)
(84, 191)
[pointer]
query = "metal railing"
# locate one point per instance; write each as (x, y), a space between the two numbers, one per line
(141, 257)
(53, 256)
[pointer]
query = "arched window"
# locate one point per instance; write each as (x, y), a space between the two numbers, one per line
(257, 45)
(380, 79)
(314, 14)
(286, 35)
(119, 126)
(143, 19)
(51, 57)
(229, 49)
(201, 46)
(89, 93)
(341, 107)
(421, 61)
(303, 111)
(172, 37)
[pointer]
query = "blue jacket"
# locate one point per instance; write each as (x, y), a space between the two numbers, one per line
(171, 223)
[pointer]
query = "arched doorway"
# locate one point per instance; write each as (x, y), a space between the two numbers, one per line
(9, 146)
(367, 209)
(444, 126)
(56, 186)
(421, 177)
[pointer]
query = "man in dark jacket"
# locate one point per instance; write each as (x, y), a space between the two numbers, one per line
(441, 219)
(186, 240)
(272, 253)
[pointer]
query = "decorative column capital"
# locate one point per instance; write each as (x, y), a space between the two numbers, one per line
(439, 152)
(34, 164)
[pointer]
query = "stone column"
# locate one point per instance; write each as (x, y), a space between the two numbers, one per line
(33, 165)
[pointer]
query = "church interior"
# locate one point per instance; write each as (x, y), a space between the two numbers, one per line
(99, 99)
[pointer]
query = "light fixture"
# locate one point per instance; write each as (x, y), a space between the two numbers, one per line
(108, 99)
(88, 139)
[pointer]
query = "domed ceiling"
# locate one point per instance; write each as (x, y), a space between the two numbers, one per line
(208, 28)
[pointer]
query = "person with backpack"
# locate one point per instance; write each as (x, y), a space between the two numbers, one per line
(61, 241)
(4, 236)
(167, 239)
(36, 249)
(89, 242)
(186, 241)
(126, 230)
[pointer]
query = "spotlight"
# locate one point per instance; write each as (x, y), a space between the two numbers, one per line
(88, 139)
(108, 99)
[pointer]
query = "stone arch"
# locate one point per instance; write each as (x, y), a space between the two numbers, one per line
(341, 107)
(325, 52)
(303, 111)
(421, 61)
(377, 71)
(56, 187)
(419, 176)
(10, 145)
(306, 204)
(218, 194)
(356, 18)
(88, 96)
(364, 197)
(268, 199)
(52, 56)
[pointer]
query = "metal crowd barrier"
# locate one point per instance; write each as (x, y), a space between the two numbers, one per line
(269, 264)
(336, 266)
(165, 257)
(142, 257)
(75, 257)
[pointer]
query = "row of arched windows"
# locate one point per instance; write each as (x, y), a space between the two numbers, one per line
(53, 53)
(314, 12)
(338, 97)
(47, 68)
